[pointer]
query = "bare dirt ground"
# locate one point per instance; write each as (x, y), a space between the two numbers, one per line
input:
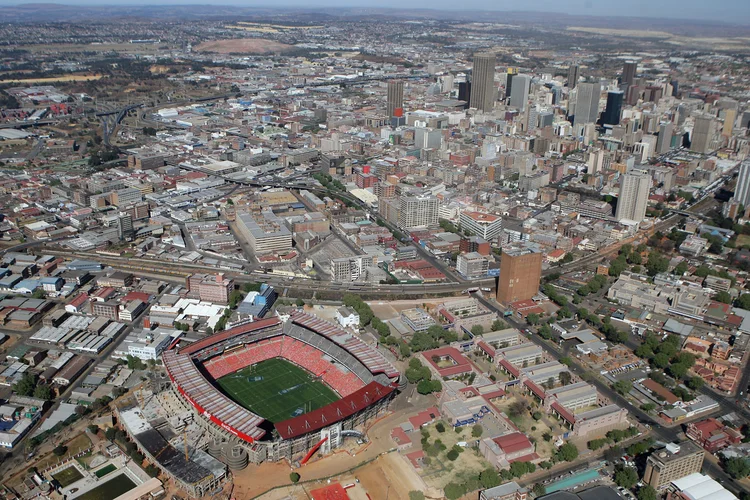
(52, 79)
(243, 45)
(257, 479)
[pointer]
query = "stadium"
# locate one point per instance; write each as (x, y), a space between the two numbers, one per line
(272, 390)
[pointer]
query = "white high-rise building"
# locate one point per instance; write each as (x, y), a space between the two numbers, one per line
(742, 190)
(634, 190)
(418, 211)
(519, 93)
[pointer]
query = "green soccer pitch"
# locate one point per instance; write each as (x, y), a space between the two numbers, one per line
(277, 390)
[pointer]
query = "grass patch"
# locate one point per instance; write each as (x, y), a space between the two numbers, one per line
(277, 389)
(109, 490)
(68, 476)
(105, 470)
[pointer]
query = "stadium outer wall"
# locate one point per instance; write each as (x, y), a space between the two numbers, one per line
(274, 447)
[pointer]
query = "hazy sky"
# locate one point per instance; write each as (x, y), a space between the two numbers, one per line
(733, 11)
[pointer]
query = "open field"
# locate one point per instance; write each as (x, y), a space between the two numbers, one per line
(68, 476)
(52, 79)
(277, 390)
(75, 446)
(140, 48)
(243, 45)
(441, 470)
(715, 43)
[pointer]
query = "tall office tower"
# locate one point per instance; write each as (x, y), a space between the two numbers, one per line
(672, 462)
(629, 70)
(664, 139)
(483, 82)
(395, 97)
(742, 190)
(730, 115)
(587, 103)
(418, 211)
(703, 134)
(520, 273)
(611, 115)
(634, 190)
(520, 95)
(573, 74)
(464, 92)
(675, 87)
(745, 120)
(446, 83)
(509, 81)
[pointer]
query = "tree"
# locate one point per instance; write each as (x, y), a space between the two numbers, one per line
(43, 391)
(452, 455)
(626, 477)
(532, 319)
(648, 407)
(25, 386)
(440, 427)
(743, 302)
(680, 269)
(737, 467)
(567, 452)
(454, 491)
(477, 430)
(657, 263)
(723, 297)
(646, 492)
(489, 478)
(677, 370)
(110, 433)
(299, 303)
(93, 428)
(498, 324)
(416, 495)
(60, 450)
(695, 383)
(539, 490)
(565, 378)
(595, 444)
(477, 330)
(622, 386)
(660, 360)
(294, 477)
(613, 454)
(152, 470)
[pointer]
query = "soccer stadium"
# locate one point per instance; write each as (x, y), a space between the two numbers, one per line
(272, 390)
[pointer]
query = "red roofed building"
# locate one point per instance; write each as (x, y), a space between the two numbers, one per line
(501, 451)
(447, 362)
(712, 435)
(143, 297)
(77, 304)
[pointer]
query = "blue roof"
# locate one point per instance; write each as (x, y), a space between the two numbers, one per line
(31, 284)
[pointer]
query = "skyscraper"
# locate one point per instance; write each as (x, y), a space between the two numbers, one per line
(509, 81)
(483, 82)
(664, 139)
(464, 92)
(742, 190)
(629, 71)
(395, 97)
(611, 115)
(634, 190)
(587, 103)
(520, 94)
(703, 134)
(573, 74)
(520, 273)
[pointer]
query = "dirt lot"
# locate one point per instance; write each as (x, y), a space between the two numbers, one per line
(441, 470)
(243, 45)
(52, 79)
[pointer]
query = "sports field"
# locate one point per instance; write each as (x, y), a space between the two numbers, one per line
(68, 476)
(277, 390)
